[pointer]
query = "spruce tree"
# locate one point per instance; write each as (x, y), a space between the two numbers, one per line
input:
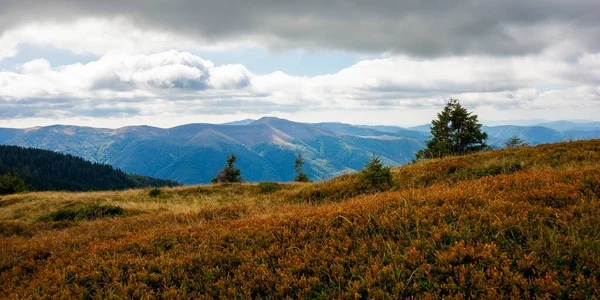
(229, 173)
(514, 142)
(456, 131)
(375, 175)
(300, 176)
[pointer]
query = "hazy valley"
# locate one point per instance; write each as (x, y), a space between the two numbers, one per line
(266, 148)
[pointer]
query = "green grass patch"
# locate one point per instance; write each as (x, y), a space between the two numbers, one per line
(155, 192)
(268, 187)
(90, 212)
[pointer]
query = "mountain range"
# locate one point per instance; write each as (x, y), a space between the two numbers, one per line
(266, 148)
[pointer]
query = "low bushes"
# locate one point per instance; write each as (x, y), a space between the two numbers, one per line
(155, 192)
(268, 187)
(91, 212)
(11, 184)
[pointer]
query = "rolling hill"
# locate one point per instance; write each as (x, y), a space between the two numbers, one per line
(44, 170)
(518, 223)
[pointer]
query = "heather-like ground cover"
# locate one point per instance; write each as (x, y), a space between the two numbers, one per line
(515, 223)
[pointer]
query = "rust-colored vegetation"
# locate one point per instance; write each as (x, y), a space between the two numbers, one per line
(515, 223)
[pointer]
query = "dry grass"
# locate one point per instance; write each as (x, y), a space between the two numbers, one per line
(469, 227)
(184, 199)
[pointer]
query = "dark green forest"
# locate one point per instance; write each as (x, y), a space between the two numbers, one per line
(44, 170)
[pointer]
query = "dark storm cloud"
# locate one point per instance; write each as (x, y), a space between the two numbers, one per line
(423, 28)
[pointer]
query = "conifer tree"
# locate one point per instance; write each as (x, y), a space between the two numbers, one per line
(514, 142)
(300, 176)
(376, 175)
(456, 131)
(229, 173)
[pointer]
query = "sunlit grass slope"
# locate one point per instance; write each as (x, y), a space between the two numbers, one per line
(513, 223)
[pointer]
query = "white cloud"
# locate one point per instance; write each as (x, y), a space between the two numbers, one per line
(36, 66)
(582, 97)
(511, 59)
(125, 76)
(163, 70)
(176, 85)
(230, 76)
(8, 48)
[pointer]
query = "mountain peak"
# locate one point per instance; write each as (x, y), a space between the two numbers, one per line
(271, 120)
(240, 122)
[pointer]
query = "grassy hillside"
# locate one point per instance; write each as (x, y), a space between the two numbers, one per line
(513, 223)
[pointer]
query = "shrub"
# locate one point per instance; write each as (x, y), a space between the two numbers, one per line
(373, 178)
(15, 228)
(91, 212)
(591, 185)
(229, 212)
(302, 178)
(375, 175)
(341, 188)
(154, 192)
(268, 187)
(11, 184)
(495, 169)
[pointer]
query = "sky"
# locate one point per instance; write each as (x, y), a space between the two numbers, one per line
(117, 63)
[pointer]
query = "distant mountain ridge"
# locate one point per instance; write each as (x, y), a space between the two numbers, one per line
(44, 170)
(193, 153)
(571, 125)
(542, 133)
(266, 148)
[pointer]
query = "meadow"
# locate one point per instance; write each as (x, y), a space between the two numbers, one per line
(514, 223)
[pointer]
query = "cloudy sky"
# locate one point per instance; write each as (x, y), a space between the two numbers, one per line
(114, 63)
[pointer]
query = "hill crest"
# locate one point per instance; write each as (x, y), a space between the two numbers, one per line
(44, 170)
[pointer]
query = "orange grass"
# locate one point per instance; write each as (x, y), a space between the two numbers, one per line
(531, 232)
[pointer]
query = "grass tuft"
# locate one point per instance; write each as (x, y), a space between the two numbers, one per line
(268, 187)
